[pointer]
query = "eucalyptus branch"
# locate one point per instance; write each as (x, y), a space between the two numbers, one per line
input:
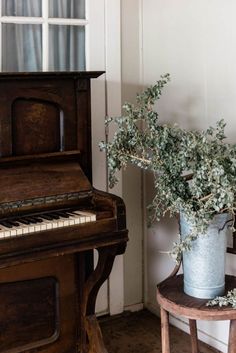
(141, 159)
(207, 197)
(211, 162)
(166, 252)
(228, 300)
(232, 210)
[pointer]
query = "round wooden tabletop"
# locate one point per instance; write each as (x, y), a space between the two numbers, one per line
(171, 297)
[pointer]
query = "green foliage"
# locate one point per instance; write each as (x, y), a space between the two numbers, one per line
(228, 300)
(170, 153)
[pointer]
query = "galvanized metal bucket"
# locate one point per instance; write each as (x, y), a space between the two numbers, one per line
(204, 264)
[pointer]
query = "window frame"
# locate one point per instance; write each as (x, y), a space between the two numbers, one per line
(46, 21)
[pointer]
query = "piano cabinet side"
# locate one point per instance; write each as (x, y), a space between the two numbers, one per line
(107, 201)
(58, 320)
(91, 340)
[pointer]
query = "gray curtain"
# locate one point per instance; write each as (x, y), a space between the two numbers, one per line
(67, 9)
(22, 44)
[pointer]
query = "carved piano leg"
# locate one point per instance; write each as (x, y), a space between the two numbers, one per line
(96, 344)
(91, 288)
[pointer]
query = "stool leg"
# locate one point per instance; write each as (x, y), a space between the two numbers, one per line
(232, 337)
(165, 335)
(193, 335)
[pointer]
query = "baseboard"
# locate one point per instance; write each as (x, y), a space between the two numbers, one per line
(182, 325)
(131, 308)
(155, 309)
(134, 307)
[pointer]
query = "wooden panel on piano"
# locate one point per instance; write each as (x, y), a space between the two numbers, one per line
(36, 302)
(60, 93)
(38, 307)
(35, 180)
(37, 127)
(32, 104)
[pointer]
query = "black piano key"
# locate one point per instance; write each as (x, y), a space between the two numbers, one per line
(24, 221)
(13, 223)
(54, 215)
(62, 214)
(32, 220)
(71, 213)
(47, 217)
(6, 224)
(38, 219)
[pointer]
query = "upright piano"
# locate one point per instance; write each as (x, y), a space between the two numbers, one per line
(51, 218)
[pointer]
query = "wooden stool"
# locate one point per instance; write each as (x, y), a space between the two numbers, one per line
(172, 299)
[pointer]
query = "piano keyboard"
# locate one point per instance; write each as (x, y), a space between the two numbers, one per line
(41, 222)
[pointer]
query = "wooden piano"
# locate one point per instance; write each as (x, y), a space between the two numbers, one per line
(51, 218)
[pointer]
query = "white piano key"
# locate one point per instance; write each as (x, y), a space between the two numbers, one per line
(37, 227)
(7, 233)
(83, 219)
(89, 216)
(19, 231)
(49, 225)
(66, 223)
(31, 228)
(75, 218)
(26, 230)
(61, 223)
(71, 221)
(43, 226)
(13, 232)
(54, 225)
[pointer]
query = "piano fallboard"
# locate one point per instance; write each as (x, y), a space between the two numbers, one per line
(37, 180)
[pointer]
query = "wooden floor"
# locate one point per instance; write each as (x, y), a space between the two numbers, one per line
(140, 333)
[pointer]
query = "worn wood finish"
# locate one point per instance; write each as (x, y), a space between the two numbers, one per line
(165, 333)
(46, 116)
(31, 330)
(92, 286)
(48, 285)
(67, 94)
(37, 328)
(172, 299)
(66, 177)
(193, 335)
(232, 337)
(96, 344)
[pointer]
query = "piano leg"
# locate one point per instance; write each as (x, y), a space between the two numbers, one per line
(96, 344)
(92, 285)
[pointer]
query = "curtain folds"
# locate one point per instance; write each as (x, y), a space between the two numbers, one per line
(22, 43)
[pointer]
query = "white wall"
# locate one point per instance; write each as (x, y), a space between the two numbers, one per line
(195, 41)
(132, 182)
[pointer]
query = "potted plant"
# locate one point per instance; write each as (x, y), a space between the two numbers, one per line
(195, 173)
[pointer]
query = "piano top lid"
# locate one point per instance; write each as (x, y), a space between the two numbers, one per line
(50, 74)
(42, 179)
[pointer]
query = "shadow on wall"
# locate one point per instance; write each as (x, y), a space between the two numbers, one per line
(159, 237)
